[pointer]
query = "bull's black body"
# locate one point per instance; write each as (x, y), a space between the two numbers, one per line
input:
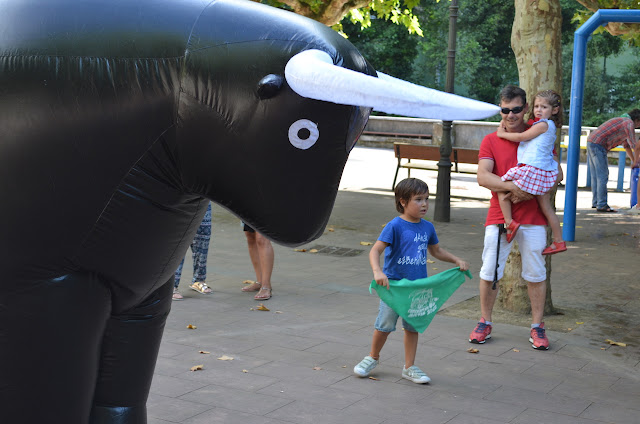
(119, 121)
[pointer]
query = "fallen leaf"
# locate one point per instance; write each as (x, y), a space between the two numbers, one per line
(197, 367)
(613, 244)
(373, 378)
(516, 350)
(330, 229)
(472, 350)
(579, 322)
(299, 250)
(248, 282)
(429, 261)
(245, 371)
(611, 342)
(344, 366)
(603, 348)
(366, 243)
(191, 327)
(313, 251)
(251, 309)
(578, 226)
(625, 234)
(204, 352)
(278, 312)
(569, 329)
(473, 225)
(261, 307)
(226, 358)
(316, 368)
(435, 269)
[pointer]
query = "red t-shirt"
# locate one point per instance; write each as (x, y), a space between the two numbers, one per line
(504, 154)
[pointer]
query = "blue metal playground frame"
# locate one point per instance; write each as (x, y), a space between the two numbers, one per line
(601, 17)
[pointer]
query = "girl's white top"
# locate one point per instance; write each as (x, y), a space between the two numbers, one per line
(538, 152)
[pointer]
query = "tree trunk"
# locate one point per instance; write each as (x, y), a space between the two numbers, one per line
(536, 43)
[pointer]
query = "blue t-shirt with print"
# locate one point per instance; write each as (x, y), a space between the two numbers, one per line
(406, 255)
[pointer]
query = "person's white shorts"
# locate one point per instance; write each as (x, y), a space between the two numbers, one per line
(531, 239)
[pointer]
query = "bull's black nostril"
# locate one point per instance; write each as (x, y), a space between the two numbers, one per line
(269, 86)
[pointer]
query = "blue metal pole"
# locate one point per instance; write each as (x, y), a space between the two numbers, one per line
(575, 127)
(602, 16)
(622, 158)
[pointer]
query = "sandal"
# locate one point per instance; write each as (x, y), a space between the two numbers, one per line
(513, 228)
(606, 209)
(263, 294)
(201, 287)
(556, 247)
(176, 294)
(254, 286)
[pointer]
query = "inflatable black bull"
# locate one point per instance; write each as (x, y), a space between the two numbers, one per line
(119, 121)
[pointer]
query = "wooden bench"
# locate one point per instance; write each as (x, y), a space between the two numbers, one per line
(411, 152)
(396, 135)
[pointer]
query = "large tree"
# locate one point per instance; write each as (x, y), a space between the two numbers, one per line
(536, 42)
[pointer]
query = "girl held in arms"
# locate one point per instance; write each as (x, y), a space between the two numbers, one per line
(537, 171)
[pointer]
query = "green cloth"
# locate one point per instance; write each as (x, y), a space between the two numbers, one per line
(418, 301)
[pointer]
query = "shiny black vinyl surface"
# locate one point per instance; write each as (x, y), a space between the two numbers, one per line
(119, 121)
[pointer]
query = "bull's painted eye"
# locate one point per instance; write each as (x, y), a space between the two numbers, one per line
(303, 134)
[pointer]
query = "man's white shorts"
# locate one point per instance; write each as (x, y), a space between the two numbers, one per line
(531, 239)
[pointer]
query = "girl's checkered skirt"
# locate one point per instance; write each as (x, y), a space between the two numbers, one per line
(530, 179)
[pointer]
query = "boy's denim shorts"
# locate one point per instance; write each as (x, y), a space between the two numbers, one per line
(387, 319)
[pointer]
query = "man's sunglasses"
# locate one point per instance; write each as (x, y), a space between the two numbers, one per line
(516, 110)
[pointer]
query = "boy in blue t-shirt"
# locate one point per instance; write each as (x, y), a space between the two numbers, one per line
(405, 241)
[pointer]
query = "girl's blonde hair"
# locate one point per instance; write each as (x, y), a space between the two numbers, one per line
(555, 100)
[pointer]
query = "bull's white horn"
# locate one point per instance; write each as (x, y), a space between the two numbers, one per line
(312, 74)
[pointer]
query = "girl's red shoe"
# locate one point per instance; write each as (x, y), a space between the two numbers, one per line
(513, 228)
(556, 247)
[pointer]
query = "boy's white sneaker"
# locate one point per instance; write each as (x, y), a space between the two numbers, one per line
(365, 366)
(415, 374)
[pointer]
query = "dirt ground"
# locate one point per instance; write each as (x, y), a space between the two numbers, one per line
(601, 321)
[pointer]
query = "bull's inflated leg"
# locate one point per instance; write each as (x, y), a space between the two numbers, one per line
(129, 353)
(50, 337)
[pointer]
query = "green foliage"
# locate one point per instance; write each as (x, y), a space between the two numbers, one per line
(399, 12)
(388, 33)
(387, 46)
(388, 10)
(630, 32)
(604, 45)
(484, 59)
(605, 95)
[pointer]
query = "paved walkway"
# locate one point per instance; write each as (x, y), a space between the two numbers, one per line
(293, 363)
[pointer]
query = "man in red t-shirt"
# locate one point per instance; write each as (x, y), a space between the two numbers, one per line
(496, 156)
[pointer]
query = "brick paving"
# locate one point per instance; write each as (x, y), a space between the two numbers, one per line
(293, 363)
